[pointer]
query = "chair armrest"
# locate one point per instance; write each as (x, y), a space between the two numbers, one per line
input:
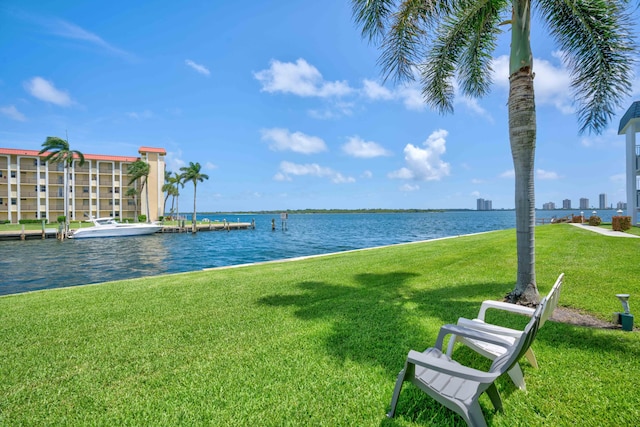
(448, 367)
(505, 306)
(469, 333)
(489, 328)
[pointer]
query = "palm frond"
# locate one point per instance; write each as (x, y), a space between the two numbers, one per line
(372, 15)
(480, 20)
(598, 48)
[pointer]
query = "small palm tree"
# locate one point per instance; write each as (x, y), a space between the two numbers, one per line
(166, 188)
(139, 171)
(57, 150)
(178, 181)
(133, 193)
(447, 40)
(192, 173)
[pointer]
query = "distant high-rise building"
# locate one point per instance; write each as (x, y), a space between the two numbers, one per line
(584, 203)
(484, 205)
(566, 204)
(603, 201)
(549, 206)
(621, 205)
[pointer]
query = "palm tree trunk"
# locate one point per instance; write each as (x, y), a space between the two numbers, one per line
(522, 136)
(66, 198)
(193, 218)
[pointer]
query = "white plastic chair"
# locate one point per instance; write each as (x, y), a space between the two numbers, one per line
(492, 351)
(456, 386)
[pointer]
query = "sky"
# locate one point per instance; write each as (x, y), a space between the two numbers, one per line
(284, 105)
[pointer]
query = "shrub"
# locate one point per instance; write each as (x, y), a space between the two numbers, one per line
(576, 218)
(30, 221)
(5, 221)
(62, 218)
(621, 223)
(142, 218)
(594, 220)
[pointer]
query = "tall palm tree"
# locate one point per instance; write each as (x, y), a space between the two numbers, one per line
(57, 150)
(454, 39)
(192, 173)
(139, 171)
(167, 188)
(178, 180)
(133, 193)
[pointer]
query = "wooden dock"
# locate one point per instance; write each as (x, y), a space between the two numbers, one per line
(210, 226)
(51, 233)
(47, 233)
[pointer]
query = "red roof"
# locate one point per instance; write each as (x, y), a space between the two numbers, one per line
(161, 151)
(102, 157)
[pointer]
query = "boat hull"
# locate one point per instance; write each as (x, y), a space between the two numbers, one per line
(121, 230)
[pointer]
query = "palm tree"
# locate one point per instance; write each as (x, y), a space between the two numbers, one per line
(454, 39)
(57, 150)
(178, 180)
(139, 171)
(133, 193)
(167, 188)
(192, 173)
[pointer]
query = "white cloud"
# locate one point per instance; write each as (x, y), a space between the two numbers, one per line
(12, 112)
(621, 177)
(210, 166)
(146, 114)
(409, 187)
(312, 169)
(299, 78)
(547, 175)
(335, 110)
(425, 164)
(357, 147)
(367, 175)
(552, 83)
(282, 140)
(173, 161)
(475, 194)
(609, 138)
(71, 31)
(508, 174)
(477, 181)
(44, 90)
(199, 68)
(373, 90)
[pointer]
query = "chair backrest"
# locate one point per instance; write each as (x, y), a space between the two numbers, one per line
(551, 300)
(506, 361)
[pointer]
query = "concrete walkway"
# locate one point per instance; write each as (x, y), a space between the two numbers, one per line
(604, 231)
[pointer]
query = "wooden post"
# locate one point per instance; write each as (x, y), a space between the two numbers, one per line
(22, 236)
(44, 234)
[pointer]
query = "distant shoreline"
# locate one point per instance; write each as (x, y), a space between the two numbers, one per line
(372, 211)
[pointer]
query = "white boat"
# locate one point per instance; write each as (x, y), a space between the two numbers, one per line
(109, 227)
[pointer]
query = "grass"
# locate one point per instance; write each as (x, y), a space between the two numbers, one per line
(316, 342)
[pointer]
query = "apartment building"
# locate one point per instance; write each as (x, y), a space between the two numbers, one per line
(629, 126)
(33, 189)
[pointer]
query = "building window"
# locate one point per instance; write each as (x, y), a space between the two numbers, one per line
(1, 201)
(117, 190)
(13, 174)
(14, 201)
(43, 215)
(85, 202)
(43, 188)
(0, 174)
(85, 189)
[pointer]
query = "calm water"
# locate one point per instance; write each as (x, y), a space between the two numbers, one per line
(37, 264)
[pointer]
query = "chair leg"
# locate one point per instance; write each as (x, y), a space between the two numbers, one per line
(475, 415)
(396, 392)
(494, 395)
(452, 342)
(531, 358)
(517, 377)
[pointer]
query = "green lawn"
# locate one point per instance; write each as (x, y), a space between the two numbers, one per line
(317, 342)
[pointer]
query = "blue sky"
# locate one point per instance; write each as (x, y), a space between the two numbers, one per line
(283, 105)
